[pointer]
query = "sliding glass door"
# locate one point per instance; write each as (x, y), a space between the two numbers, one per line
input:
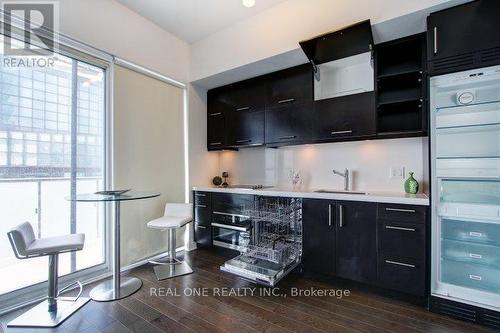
(52, 145)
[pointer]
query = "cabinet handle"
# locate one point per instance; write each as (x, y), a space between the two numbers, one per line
(341, 132)
(201, 206)
(200, 195)
(475, 277)
(201, 227)
(341, 216)
(399, 228)
(288, 137)
(400, 210)
(399, 263)
(243, 108)
(243, 141)
(435, 40)
(215, 143)
(475, 234)
(329, 215)
(475, 256)
(216, 114)
(289, 100)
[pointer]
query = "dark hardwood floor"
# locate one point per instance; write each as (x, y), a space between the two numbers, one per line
(163, 306)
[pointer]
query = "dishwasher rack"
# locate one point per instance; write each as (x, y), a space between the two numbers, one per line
(276, 246)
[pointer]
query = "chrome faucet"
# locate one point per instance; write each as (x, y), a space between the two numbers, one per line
(346, 178)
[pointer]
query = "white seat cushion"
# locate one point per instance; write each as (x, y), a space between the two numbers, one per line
(169, 222)
(56, 244)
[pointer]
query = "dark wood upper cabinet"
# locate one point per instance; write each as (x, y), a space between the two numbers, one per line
(464, 37)
(289, 106)
(356, 241)
(247, 95)
(245, 128)
(290, 86)
(345, 117)
(216, 120)
(343, 43)
(318, 240)
(388, 98)
(245, 105)
(401, 87)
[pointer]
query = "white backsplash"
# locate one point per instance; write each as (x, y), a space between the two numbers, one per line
(369, 162)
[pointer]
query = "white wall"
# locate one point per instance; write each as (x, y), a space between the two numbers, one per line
(112, 27)
(278, 30)
(203, 165)
(370, 162)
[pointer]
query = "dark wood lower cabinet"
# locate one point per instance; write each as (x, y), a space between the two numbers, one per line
(202, 236)
(318, 240)
(356, 241)
(382, 245)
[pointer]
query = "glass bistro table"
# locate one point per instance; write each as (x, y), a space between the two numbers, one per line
(116, 287)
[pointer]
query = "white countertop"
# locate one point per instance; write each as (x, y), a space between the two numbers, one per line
(372, 196)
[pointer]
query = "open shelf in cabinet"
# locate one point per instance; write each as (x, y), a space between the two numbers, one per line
(400, 118)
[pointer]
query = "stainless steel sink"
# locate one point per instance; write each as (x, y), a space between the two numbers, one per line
(341, 192)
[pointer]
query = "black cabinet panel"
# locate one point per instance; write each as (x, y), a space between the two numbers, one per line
(349, 41)
(202, 236)
(402, 213)
(216, 120)
(406, 239)
(289, 106)
(290, 86)
(202, 208)
(402, 248)
(463, 37)
(216, 133)
(230, 203)
(356, 250)
(249, 95)
(245, 128)
(318, 240)
(402, 274)
(344, 117)
(289, 124)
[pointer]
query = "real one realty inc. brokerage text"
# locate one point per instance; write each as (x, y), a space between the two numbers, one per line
(249, 291)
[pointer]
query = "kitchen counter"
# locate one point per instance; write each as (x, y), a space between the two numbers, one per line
(372, 196)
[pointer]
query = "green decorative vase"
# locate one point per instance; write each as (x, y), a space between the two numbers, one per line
(411, 185)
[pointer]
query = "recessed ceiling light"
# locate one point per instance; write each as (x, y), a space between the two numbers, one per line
(248, 3)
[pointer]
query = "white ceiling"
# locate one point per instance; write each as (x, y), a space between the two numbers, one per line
(192, 20)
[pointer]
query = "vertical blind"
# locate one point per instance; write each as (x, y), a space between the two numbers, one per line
(148, 155)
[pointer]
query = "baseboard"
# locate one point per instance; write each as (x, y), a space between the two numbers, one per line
(91, 280)
(144, 261)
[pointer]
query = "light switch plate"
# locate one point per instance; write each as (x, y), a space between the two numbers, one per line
(397, 172)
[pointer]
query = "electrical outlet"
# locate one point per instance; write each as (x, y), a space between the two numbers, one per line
(397, 172)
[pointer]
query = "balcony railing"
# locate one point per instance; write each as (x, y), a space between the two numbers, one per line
(41, 201)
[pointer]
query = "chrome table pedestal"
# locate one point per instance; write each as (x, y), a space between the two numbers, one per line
(117, 287)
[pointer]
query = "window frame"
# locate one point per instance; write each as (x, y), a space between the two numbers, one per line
(83, 53)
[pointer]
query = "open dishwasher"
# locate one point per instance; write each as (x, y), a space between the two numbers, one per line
(276, 246)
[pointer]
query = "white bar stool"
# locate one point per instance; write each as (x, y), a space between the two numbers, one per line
(54, 310)
(175, 216)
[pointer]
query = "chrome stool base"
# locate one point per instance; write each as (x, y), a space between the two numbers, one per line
(167, 271)
(165, 261)
(38, 316)
(104, 292)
